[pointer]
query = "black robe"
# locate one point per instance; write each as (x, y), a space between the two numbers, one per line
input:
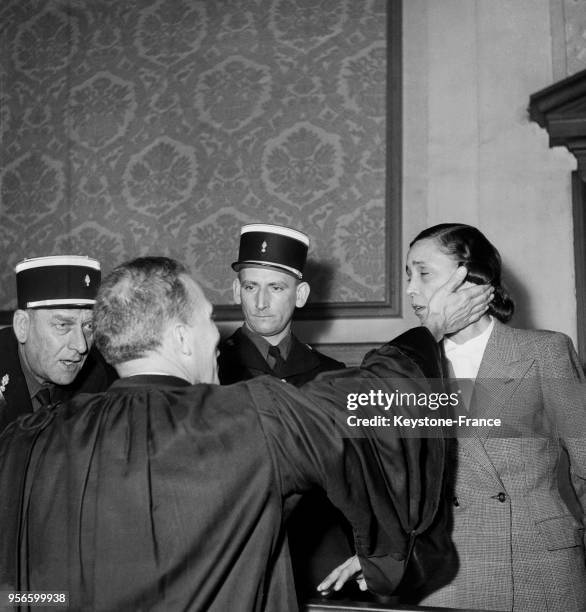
(240, 360)
(96, 375)
(319, 538)
(158, 495)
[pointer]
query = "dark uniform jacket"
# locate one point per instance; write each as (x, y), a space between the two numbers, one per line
(240, 360)
(157, 495)
(95, 376)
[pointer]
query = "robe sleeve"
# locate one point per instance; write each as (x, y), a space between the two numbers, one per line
(386, 481)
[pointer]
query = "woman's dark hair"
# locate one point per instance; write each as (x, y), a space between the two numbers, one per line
(469, 246)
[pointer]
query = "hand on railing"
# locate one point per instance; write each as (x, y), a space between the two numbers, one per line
(335, 580)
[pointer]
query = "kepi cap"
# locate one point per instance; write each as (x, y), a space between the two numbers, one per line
(57, 281)
(272, 246)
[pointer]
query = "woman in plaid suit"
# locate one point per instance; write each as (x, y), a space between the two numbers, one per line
(520, 547)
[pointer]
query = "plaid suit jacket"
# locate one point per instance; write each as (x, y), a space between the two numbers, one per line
(519, 546)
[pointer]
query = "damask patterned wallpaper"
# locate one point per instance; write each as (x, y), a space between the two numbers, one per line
(131, 127)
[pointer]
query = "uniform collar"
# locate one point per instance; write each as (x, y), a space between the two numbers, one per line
(32, 384)
(263, 345)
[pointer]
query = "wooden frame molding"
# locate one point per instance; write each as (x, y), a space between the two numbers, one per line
(561, 110)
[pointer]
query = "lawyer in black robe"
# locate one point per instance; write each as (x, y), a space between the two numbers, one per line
(160, 495)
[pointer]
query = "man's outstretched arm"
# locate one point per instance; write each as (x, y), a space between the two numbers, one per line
(451, 308)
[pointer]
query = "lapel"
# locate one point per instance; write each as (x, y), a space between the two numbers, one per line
(16, 393)
(300, 359)
(248, 356)
(501, 370)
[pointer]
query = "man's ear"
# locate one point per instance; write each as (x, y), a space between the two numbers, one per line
(182, 339)
(236, 290)
(21, 322)
(302, 293)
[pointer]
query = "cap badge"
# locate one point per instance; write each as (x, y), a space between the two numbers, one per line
(86, 280)
(263, 247)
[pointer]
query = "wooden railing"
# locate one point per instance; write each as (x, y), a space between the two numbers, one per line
(392, 605)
